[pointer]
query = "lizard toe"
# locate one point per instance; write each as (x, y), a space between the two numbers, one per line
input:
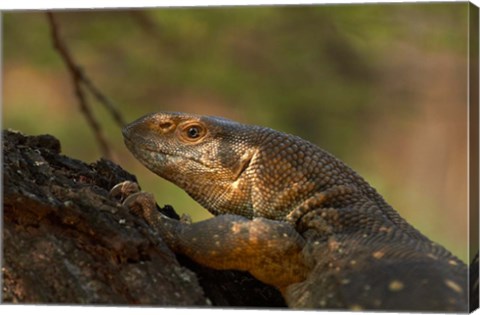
(124, 189)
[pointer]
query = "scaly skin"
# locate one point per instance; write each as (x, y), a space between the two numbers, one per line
(292, 215)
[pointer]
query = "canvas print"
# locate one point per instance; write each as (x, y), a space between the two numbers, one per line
(320, 157)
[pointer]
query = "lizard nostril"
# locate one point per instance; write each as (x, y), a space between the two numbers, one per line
(165, 125)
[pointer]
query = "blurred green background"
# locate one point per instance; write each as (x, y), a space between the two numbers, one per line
(381, 86)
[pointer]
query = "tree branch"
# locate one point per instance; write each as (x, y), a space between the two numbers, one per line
(81, 82)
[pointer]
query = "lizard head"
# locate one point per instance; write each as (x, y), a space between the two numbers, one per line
(206, 156)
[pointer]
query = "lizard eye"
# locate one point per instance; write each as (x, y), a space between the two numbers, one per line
(193, 132)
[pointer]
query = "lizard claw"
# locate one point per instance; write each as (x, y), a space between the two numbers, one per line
(141, 203)
(124, 189)
(144, 205)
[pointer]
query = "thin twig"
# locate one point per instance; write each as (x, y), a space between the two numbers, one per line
(79, 78)
(109, 105)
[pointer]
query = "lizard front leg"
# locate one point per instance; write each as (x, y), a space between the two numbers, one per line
(270, 250)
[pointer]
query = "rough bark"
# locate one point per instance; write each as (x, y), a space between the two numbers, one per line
(66, 241)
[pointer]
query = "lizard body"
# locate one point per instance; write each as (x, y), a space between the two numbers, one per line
(292, 215)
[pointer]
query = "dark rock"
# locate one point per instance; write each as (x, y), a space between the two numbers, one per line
(66, 241)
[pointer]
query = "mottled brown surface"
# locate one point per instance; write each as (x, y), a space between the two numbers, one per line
(66, 241)
(320, 233)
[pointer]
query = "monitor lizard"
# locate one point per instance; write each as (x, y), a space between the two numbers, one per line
(291, 214)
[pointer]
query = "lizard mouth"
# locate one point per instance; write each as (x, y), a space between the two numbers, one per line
(137, 147)
(150, 152)
(147, 152)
